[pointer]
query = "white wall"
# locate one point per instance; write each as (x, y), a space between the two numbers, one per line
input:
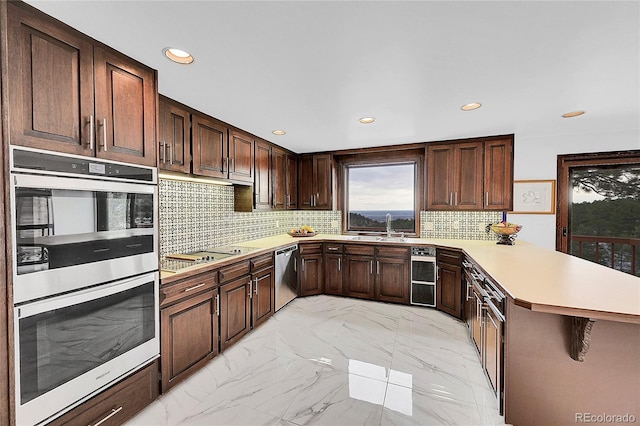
(536, 156)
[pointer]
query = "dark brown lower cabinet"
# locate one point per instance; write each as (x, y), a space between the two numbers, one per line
(333, 274)
(235, 311)
(449, 282)
(392, 279)
(310, 273)
(263, 295)
(117, 404)
(492, 356)
(359, 276)
(189, 336)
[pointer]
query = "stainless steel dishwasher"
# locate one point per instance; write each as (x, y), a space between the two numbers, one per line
(286, 275)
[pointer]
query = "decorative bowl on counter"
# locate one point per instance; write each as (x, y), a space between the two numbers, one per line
(303, 231)
(300, 234)
(506, 232)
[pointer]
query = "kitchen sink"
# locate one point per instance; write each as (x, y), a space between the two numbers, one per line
(378, 238)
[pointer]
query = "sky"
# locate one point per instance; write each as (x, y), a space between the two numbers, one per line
(381, 187)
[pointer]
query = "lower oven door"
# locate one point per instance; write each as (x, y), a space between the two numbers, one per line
(69, 347)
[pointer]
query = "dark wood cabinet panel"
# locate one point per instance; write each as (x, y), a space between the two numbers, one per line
(498, 174)
(262, 183)
(51, 89)
(358, 276)
(235, 311)
(189, 337)
(119, 403)
(125, 109)
(392, 279)
(311, 274)
(174, 133)
(333, 274)
(440, 179)
(315, 183)
(468, 164)
(279, 177)
(449, 283)
(241, 156)
(291, 195)
(263, 295)
(209, 144)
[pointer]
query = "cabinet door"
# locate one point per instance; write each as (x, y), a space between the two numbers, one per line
(262, 181)
(263, 296)
(209, 140)
(448, 289)
(305, 182)
(468, 301)
(278, 178)
(476, 321)
(291, 195)
(311, 279)
(358, 276)
(241, 154)
(323, 181)
(235, 311)
(125, 94)
(50, 84)
(467, 193)
(492, 357)
(440, 185)
(498, 175)
(333, 274)
(392, 280)
(174, 132)
(189, 337)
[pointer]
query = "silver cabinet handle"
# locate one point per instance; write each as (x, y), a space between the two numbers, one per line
(455, 198)
(255, 285)
(295, 264)
(288, 200)
(339, 263)
(333, 248)
(92, 135)
(194, 287)
(486, 198)
(371, 266)
(378, 267)
(103, 124)
(114, 411)
(303, 264)
(170, 154)
(451, 198)
(217, 305)
(251, 289)
(164, 152)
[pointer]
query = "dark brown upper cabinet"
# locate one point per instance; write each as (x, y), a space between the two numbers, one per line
(472, 175)
(315, 184)
(210, 147)
(284, 179)
(262, 182)
(174, 134)
(69, 93)
(241, 156)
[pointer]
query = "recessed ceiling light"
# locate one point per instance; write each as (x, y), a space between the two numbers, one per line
(279, 132)
(471, 106)
(177, 55)
(367, 120)
(572, 114)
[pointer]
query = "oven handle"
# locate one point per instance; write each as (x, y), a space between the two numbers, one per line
(114, 411)
(33, 308)
(58, 182)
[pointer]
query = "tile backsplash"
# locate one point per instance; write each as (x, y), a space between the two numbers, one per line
(458, 225)
(195, 216)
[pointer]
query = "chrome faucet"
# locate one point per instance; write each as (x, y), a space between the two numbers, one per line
(388, 225)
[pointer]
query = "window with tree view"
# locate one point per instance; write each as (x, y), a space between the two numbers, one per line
(375, 191)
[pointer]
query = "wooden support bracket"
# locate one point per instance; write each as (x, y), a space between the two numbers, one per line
(580, 337)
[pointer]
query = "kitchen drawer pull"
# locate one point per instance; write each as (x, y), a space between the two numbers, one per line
(339, 263)
(378, 267)
(371, 266)
(466, 264)
(194, 287)
(113, 412)
(255, 285)
(495, 310)
(303, 265)
(486, 199)
(217, 305)
(250, 295)
(164, 152)
(104, 134)
(451, 198)
(333, 248)
(92, 135)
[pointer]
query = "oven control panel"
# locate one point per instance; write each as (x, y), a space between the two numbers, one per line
(426, 251)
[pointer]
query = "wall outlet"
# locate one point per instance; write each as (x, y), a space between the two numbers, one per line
(335, 223)
(455, 224)
(428, 226)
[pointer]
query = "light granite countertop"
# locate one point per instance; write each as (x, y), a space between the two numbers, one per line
(536, 278)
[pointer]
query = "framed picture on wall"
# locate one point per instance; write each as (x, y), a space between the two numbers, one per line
(534, 196)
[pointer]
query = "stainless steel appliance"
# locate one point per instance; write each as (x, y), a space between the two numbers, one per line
(79, 222)
(179, 262)
(423, 276)
(85, 277)
(286, 276)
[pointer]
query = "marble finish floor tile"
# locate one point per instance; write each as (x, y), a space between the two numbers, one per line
(327, 360)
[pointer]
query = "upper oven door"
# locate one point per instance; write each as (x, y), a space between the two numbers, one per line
(70, 233)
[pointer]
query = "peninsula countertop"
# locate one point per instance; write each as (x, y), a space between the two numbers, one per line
(536, 278)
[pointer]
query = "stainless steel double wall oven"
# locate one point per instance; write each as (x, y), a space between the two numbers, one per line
(85, 277)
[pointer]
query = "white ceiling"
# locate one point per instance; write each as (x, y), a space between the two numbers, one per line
(314, 67)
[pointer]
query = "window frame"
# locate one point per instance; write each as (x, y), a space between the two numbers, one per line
(381, 158)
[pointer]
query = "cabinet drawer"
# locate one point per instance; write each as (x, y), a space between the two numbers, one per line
(190, 286)
(310, 248)
(393, 251)
(234, 271)
(333, 248)
(359, 249)
(261, 262)
(117, 404)
(448, 256)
